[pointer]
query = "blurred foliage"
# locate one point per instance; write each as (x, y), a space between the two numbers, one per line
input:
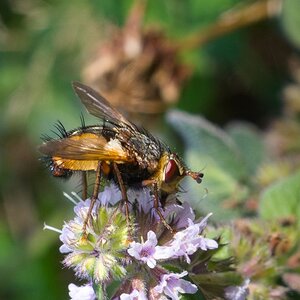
(267, 253)
(229, 170)
(250, 75)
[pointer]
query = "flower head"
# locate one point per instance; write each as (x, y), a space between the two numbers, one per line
(139, 256)
(98, 255)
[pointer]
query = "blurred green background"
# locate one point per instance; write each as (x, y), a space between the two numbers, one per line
(241, 75)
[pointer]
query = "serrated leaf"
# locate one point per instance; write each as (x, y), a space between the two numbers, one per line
(281, 199)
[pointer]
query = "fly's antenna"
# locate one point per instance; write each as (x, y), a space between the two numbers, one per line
(195, 175)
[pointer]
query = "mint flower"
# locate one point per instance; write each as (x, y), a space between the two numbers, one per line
(134, 295)
(145, 251)
(123, 261)
(143, 199)
(110, 195)
(181, 214)
(184, 243)
(189, 240)
(171, 285)
(84, 292)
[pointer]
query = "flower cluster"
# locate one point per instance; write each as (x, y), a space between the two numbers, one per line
(148, 260)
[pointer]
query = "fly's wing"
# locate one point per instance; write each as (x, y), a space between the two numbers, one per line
(99, 106)
(86, 146)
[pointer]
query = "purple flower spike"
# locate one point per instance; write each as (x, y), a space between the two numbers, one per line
(172, 284)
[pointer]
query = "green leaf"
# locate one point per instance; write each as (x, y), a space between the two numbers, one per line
(100, 291)
(217, 185)
(291, 21)
(212, 285)
(249, 143)
(281, 199)
(212, 150)
(196, 296)
(208, 140)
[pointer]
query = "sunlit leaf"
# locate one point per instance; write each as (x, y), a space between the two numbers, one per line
(291, 21)
(250, 144)
(281, 199)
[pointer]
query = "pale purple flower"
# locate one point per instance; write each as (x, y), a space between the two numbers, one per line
(110, 195)
(143, 198)
(172, 284)
(189, 240)
(84, 292)
(66, 236)
(184, 243)
(145, 251)
(72, 230)
(81, 210)
(237, 292)
(134, 295)
(182, 213)
(69, 230)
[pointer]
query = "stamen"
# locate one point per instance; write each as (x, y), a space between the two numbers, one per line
(77, 197)
(69, 198)
(47, 227)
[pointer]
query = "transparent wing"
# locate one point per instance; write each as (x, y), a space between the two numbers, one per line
(98, 105)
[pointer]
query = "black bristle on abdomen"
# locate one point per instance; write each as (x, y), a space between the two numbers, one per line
(55, 170)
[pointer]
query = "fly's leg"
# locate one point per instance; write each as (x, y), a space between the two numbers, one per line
(156, 207)
(94, 197)
(123, 191)
(84, 185)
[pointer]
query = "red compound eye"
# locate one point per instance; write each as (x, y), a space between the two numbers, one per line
(171, 171)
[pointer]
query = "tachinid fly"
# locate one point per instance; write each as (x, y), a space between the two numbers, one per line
(116, 149)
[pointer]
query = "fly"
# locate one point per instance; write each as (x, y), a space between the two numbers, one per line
(117, 149)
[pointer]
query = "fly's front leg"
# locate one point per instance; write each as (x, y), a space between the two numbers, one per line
(94, 197)
(123, 191)
(156, 204)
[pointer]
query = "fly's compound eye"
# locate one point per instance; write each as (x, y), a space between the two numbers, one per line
(171, 171)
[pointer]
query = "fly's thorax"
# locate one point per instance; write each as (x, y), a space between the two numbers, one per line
(169, 173)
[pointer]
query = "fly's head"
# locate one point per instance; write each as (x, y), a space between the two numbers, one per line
(172, 170)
